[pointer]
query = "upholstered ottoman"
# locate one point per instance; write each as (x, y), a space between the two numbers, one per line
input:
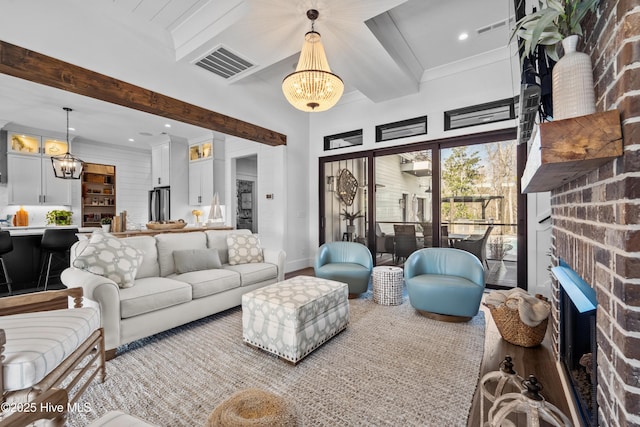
(292, 318)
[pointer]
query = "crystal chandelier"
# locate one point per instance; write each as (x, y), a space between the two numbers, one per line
(66, 166)
(312, 87)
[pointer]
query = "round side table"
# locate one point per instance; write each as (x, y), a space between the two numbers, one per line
(387, 285)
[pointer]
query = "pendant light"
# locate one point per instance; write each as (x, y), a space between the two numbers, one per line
(66, 166)
(312, 87)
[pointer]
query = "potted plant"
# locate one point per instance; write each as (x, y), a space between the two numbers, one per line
(59, 217)
(572, 89)
(106, 224)
(350, 217)
(551, 24)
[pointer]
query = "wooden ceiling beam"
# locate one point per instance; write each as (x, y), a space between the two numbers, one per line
(33, 66)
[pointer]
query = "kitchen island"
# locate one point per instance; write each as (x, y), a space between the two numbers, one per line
(24, 261)
(149, 232)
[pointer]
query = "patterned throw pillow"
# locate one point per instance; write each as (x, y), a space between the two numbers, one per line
(243, 249)
(110, 257)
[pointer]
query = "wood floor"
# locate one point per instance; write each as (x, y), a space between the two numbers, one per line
(536, 361)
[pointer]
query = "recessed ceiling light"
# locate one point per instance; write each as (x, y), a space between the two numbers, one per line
(463, 36)
(131, 140)
(167, 125)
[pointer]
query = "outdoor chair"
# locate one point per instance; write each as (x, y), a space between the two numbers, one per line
(384, 242)
(405, 241)
(478, 247)
(46, 345)
(444, 283)
(347, 262)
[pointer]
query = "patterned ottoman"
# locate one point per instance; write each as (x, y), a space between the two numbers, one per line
(292, 318)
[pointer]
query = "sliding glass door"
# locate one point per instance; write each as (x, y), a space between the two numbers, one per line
(403, 205)
(345, 194)
(479, 205)
(461, 192)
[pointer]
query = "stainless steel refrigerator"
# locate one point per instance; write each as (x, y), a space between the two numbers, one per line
(160, 204)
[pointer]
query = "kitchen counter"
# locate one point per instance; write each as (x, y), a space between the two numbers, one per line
(38, 230)
(148, 232)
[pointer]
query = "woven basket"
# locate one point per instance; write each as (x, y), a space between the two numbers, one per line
(515, 331)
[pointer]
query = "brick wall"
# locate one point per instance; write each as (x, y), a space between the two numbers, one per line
(596, 218)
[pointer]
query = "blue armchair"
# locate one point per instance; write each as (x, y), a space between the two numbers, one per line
(444, 283)
(346, 262)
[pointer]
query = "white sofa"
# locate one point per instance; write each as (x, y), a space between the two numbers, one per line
(161, 298)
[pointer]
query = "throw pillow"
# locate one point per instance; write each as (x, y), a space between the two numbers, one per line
(110, 257)
(195, 260)
(243, 249)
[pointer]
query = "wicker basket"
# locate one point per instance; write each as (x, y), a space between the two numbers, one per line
(512, 328)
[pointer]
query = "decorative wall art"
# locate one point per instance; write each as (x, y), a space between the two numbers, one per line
(347, 187)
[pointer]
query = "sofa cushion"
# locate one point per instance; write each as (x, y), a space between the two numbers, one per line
(147, 244)
(38, 342)
(169, 242)
(209, 282)
(152, 294)
(244, 249)
(217, 239)
(254, 272)
(110, 257)
(187, 260)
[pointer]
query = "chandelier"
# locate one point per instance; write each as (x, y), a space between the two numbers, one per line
(312, 87)
(66, 166)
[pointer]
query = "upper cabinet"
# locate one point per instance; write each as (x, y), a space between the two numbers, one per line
(161, 165)
(201, 173)
(31, 180)
(35, 145)
(563, 150)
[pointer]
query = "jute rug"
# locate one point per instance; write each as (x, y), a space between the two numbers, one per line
(390, 367)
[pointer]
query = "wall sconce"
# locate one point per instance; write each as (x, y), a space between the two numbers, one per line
(331, 184)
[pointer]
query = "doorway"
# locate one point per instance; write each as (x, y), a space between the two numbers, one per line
(246, 191)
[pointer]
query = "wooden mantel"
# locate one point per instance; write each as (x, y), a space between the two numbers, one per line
(563, 150)
(33, 66)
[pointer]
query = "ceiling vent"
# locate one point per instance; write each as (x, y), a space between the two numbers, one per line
(495, 25)
(224, 63)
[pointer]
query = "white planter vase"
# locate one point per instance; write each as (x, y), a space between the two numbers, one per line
(106, 227)
(572, 84)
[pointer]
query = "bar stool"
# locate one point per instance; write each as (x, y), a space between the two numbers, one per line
(55, 241)
(6, 246)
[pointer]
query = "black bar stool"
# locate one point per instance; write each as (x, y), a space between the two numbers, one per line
(6, 246)
(55, 241)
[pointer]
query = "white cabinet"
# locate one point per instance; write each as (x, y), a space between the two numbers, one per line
(31, 182)
(201, 182)
(161, 165)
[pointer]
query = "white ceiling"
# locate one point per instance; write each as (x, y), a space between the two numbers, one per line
(380, 48)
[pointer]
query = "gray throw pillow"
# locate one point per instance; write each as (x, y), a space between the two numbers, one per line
(195, 260)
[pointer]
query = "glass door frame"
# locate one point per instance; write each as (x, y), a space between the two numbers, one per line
(435, 146)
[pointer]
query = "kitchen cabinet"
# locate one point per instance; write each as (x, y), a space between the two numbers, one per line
(201, 182)
(31, 181)
(201, 173)
(161, 165)
(98, 193)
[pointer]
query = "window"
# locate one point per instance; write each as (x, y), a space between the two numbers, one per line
(402, 129)
(480, 114)
(340, 140)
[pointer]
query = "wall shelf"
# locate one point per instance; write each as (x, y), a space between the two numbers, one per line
(563, 150)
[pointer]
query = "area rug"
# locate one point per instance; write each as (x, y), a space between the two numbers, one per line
(390, 367)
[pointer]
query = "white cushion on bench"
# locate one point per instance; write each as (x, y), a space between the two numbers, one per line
(38, 342)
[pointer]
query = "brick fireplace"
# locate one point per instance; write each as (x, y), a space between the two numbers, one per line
(596, 218)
